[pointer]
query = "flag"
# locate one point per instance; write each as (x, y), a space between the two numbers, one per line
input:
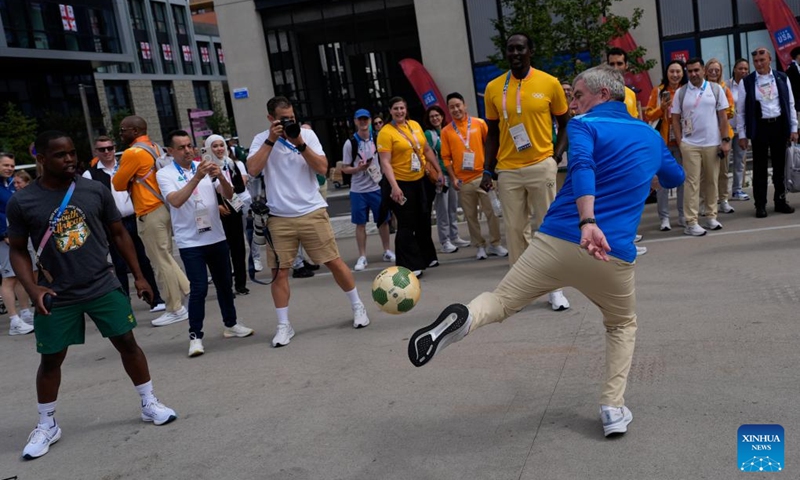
(424, 85)
(204, 55)
(640, 81)
(166, 49)
(68, 18)
(782, 28)
(220, 55)
(145, 47)
(187, 53)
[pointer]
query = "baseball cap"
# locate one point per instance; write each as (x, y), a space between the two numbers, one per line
(362, 112)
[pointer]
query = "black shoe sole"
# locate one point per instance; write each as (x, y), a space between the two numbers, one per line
(422, 348)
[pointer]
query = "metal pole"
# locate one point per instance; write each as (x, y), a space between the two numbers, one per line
(86, 116)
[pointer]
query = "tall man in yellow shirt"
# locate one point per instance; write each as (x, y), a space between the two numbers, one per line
(520, 105)
(137, 174)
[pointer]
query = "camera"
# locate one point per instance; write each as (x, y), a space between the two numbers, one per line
(291, 127)
(260, 218)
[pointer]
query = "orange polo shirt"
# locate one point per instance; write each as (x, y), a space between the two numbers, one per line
(137, 163)
(453, 147)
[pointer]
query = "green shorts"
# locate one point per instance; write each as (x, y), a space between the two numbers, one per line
(66, 325)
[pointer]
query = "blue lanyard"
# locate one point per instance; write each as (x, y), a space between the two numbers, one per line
(182, 175)
(63, 206)
(288, 145)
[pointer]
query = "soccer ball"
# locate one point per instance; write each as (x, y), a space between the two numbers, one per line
(396, 290)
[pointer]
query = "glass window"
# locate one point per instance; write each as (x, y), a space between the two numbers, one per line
(137, 14)
(758, 39)
(202, 95)
(179, 13)
(188, 59)
(720, 48)
(714, 14)
(118, 97)
(677, 16)
(168, 58)
(205, 58)
(220, 58)
(159, 17)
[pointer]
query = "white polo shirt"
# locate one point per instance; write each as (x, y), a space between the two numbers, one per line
(361, 182)
(701, 106)
(184, 224)
(292, 187)
(121, 198)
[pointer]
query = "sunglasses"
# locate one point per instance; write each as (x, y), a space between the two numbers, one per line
(106, 149)
(760, 51)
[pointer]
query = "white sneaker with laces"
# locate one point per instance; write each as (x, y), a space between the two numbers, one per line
(637, 239)
(360, 318)
(481, 254)
(18, 327)
(615, 419)
(195, 346)
(158, 413)
(361, 264)
(460, 242)
(158, 308)
(389, 256)
(713, 224)
(694, 230)
(725, 207)
(283, 336)
(238, 330)
(40, 439)
(451, 326)
(497, 251)
(257, 266)
(640, 251)
(665, 225)
(558, 301)
(26, 314)
(448, 247)
(171, 317)
(417, 273)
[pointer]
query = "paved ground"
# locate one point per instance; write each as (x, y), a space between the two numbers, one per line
(717, 348)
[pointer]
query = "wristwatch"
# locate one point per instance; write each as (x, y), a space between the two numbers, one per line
(586, 221)
(302, 148)
(269, 142)
(726, 139)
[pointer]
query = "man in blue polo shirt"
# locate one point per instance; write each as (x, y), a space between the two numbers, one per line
(612, 160)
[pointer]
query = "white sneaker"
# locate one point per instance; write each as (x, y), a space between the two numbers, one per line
(725, 207)
(360, 319)
(713, 224)
(498, 251)
(558, 301)
(237, 330)
(361, 264)
(460, 242)
(682, 221)
(694, 230)
(257, 265)
(283, 336)
(171, 317)
(615, 419)
(417, 273)
(665, 225)
(158, 413)
(26, 314)
(388, 256)
(640, 251)
(195, 346)
(158, 308)
(448, 247)
(481, 254)
(637, 239)
(451, 326)
(18, 327)
(39, 441)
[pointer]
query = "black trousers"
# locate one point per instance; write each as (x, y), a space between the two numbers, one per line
(121, 268)
(413, 243)
(769, 143)
(234, 233)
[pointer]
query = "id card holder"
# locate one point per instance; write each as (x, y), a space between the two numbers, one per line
(236, 202)
(521, 139)
(468, 161)
(687, 126)
(202, 220)
(374, 173)
(416, 165)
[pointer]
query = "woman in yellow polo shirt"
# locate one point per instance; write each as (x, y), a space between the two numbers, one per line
(404, 152)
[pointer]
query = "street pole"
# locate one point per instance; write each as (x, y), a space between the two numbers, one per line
(86, 116)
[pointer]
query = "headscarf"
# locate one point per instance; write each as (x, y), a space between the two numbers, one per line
(213, 138)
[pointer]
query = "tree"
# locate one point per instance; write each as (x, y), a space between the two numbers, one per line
(219, 122)
(568, 36)
(17, 132)
(116, 120)
(74, 125)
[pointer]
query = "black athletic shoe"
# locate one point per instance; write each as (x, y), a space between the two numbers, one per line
(243, 291)
(783, 207)
(451, 326)
(310, 266)
(302, 273)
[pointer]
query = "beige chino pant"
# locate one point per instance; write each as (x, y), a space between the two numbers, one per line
(155, 230)
(549, 264)
(471, 195)
(700, 162)
(525, 191)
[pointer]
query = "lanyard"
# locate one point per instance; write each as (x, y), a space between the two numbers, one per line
(288, 145)
(55, 219)
(182, 175)
(416, 140)
(469, 125)
(519, 96)
(700, 95)
(366, 143)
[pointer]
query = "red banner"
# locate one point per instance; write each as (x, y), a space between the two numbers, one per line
(424, 85)
(639, 80)
(782, 27)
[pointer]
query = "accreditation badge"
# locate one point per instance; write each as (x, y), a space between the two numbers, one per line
(416, 165)
(468, 161)
(521, 139)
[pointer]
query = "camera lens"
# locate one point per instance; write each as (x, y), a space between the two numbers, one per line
(292, 129)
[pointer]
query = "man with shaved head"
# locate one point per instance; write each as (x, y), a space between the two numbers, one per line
(136, 174)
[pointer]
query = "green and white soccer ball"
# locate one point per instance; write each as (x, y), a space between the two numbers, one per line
(396, 290)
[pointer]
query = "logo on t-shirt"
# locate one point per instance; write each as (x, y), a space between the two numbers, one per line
(71, 231)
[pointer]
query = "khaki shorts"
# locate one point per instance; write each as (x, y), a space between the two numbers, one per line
(313, 230)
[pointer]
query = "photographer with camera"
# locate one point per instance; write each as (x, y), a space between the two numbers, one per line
(290, 157)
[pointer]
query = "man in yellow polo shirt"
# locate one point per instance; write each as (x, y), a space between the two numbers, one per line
(137, 175)
(462, 153)
(618, 59)
(520, 106)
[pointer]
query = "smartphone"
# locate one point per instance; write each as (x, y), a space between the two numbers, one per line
(47, 300)
(665, 95)
(403, 201)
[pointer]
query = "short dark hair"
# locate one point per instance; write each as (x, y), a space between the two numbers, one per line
(795, 52)
(398, 99)
(175, 133)
(521, 34)
(103, 138)
(277, 102)
(426, 119)
(738, 61)
(453, 95)
(694, 60)
(617, 51)
(42, 142)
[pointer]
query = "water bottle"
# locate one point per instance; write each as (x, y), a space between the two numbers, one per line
(498, 209)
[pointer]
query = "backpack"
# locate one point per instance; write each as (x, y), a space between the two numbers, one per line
(715, 89)
(791, 177)
(354, 150)
(158, 162)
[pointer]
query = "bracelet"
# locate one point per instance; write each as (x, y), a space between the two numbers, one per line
(269, 142)
(487, 172)
(587, 221)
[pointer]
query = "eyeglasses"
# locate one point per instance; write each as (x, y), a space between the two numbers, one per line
(760, 51)
(106, 149)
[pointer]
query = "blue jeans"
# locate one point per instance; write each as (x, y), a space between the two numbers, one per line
(216, 257)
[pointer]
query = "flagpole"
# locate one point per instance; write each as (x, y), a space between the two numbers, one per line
(86, 115)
